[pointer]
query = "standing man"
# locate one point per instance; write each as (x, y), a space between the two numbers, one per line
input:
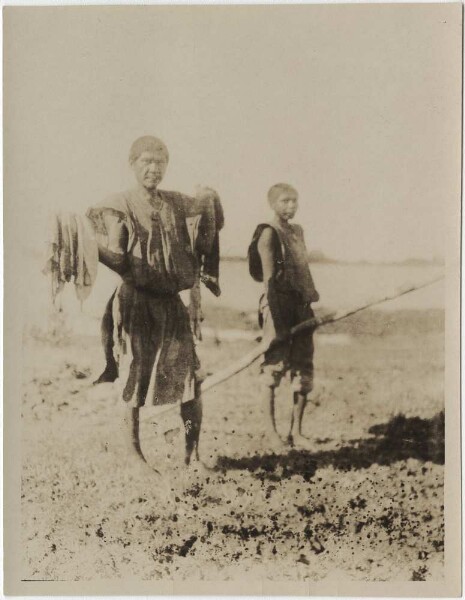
(148, 245)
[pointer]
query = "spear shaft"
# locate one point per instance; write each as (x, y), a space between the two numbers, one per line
(249, 358)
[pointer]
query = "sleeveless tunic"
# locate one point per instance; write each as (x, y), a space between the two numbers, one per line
(292, 272)
(159, 248)
(154, 345)
(286, 305)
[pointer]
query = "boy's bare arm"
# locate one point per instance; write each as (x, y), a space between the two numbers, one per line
(315, 296)
(114, 256)
(266, 251)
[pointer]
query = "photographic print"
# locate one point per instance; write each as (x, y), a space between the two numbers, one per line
(232, 299)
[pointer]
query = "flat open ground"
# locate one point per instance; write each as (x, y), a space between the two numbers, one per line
(365, 502)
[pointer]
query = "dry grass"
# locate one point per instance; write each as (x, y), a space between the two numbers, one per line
(365, 502)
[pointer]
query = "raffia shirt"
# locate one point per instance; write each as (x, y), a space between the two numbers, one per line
(160, 255)
(286, 257)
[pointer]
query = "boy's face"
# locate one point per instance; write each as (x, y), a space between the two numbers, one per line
(285, 205)
(149, 168)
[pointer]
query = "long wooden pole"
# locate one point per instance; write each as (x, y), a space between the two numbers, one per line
(249, 358)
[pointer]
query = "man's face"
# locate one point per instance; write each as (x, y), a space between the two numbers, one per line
(149, 168)
(285, 205)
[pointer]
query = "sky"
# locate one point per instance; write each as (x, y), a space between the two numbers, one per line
(356, 106)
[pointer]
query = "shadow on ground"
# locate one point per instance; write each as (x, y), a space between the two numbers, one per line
(400, 438)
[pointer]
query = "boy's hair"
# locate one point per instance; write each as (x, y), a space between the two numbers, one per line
(147, 143)
(278, 189)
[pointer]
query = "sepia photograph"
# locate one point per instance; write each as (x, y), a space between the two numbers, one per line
(232, 299)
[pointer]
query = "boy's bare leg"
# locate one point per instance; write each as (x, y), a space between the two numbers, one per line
(271, 436)
(295, 433)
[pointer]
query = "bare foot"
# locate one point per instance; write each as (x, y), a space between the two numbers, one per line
(211, 283)
(109, 375)
(273, 443)
(300, 442)
(188, 475)
(195, 467)
(198, 469)
(209, 464)
(141, 469)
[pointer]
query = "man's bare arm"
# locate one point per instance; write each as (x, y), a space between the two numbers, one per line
(114, 256)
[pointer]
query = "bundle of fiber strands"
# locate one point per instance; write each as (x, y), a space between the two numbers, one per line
(204, 235)
(194, 296)
(195, 310)
(71, 254)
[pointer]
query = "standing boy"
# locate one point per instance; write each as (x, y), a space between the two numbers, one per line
(278, 257)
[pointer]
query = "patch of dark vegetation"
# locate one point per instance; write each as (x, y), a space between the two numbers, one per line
(399, 439)
(183, 551)
(99, 532)
(413, 437)
(309, 512)
(266, 466)
(194, 491)
(419, 574)
(357, 502)
(245, 533)
(151, 518)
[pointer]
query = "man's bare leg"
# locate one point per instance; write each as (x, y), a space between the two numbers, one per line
(158, 480)
(191, 413)
(132, 443)
(271, 437)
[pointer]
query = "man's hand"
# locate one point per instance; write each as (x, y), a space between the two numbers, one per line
(315, 296)
(208, 202)
(205, 194)
(205, 203)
